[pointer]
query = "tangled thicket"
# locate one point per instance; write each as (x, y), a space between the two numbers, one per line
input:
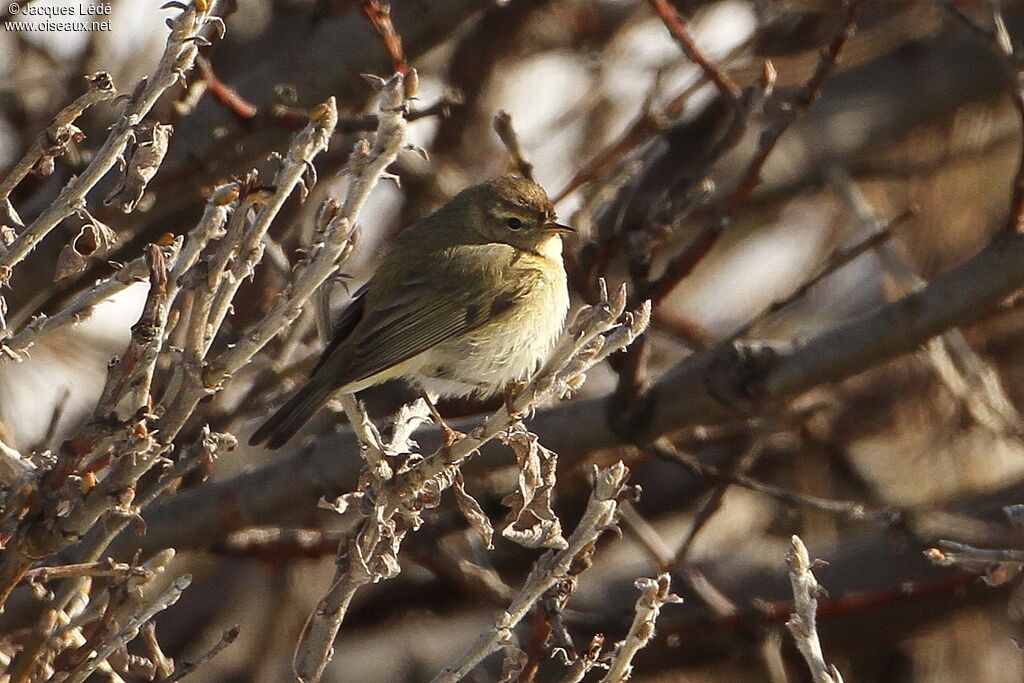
(796, 317)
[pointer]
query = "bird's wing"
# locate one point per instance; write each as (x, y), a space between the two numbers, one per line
(425, 310)
(344, 325)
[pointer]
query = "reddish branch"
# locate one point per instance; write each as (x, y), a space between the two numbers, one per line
(676, 25)
(224, 93)
(379, 15)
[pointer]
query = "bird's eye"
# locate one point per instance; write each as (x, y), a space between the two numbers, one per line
(514, 223)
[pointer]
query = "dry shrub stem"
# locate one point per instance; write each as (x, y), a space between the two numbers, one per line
(599, 516)
(179, 54)
(802, 623)
(53, 141)
(654, 593)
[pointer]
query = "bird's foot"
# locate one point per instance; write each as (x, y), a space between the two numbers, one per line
(451, 436)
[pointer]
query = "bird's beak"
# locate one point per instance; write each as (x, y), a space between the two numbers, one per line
(558, 227)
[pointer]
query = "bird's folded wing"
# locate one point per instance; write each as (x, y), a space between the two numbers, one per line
(421, 313)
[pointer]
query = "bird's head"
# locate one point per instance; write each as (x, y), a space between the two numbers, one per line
(511, 210)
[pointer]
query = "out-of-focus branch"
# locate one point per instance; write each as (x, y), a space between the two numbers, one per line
(503, 127)
(224, 93)
(797, 103)
(998, 566)
(677, 27)
(802, 623)
(837, 260)
(379, 15)
(851, 510)
(552, 567)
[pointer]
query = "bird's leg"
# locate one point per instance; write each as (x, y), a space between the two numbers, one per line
(450, 435)
(509, 395)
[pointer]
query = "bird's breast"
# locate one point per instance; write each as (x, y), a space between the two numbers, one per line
(510, 347)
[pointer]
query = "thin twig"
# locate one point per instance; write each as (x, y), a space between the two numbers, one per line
(186, 667)
(654, 593)
(131, 627)
(224, 93)
(162, 664)
(677, 27)
(643, 128)
(802, 623)
(182, 48)
(52, 141)
(839, 258)
(994, 563)
(713, 501)
(379, 15)
(503, 127)
(94, 569)
(647, 536)
(848, 509)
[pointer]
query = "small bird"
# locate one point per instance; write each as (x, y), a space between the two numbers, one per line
(464, 301)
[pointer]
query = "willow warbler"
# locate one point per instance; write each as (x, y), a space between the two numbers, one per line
(463, 302)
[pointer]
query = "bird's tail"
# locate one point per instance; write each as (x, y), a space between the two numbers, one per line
(289, 418)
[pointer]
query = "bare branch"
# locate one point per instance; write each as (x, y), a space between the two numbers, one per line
(370, 553)
(177, 58)
(52, 141)
(143, 613)
(503, 127)
(188, 666)
(654, 593)
(802, 623)
(677, 27)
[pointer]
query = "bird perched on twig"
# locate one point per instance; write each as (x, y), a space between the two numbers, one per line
(466, 300)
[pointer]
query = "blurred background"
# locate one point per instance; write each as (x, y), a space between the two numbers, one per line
(913, 132)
